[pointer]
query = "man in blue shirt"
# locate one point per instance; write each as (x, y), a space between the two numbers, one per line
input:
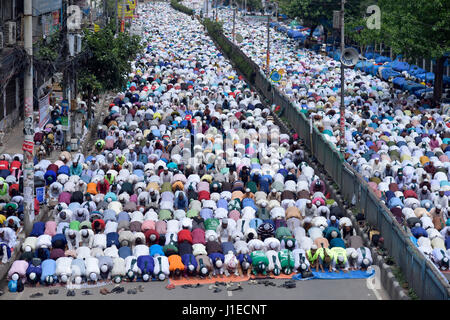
(181, 202)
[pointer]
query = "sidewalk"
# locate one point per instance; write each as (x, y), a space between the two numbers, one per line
(13, 140)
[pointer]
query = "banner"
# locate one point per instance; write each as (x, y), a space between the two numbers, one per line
(28, 146)
(128, 12)
(130, 5)
(44, 115)
(65, 123)
(40, 195)
(41, 7)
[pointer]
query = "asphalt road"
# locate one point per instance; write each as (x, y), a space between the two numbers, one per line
(355, 289)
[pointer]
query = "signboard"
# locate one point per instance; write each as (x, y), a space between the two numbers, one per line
(28, 146)
(40, 195)
(44, 115)
(65, 123)
(50, 23)
(64, 107)
(336, 19)
(41, 7)
(129, 7)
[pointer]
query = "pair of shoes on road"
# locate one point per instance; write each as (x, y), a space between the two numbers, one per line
(185, 286)
(141, 288)
(35, 295)
(217, 289)
(53, 291)
(132, 291)
(288, 284)
(234, 288)
(86, 293)
(253, 282)
(170, 286)
(267, 283)
(104, 291)
(220, 283)
(117, 290)
(70, 293)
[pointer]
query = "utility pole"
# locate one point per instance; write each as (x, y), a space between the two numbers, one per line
(342, 108)
(116, 18)
(122, 29)
(268, 45)
(28, 166)
(234, 24)
(68, 78)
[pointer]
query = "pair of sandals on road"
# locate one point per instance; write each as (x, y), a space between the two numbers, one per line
(105, 291)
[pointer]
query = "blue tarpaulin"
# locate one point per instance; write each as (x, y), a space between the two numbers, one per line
(382, 59)
(415, 70)
(295, 34)
(283, 29)
(427, 77)
(362, 64)
(274, 24)
(399, 81)
(358, 274)
(412, 86)
(400, 66)
(371, 55)
(420, 92)
(386, 73)
(373, 69)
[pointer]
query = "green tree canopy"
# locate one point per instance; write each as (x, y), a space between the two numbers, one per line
(107, 65)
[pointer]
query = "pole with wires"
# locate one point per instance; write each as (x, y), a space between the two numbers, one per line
(234, 24)
(342, 107)
(28, 145)
(268, 45)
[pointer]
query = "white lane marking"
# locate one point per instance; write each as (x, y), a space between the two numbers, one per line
(377, 294)
(230, 293)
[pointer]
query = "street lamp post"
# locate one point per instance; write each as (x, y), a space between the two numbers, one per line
(28, 146)
(233, 7)
(268, 46)
(342, 107)
(269, 11)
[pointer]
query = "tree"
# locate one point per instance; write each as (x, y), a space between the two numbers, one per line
(315, 12)
(419, 29)
(107, 64)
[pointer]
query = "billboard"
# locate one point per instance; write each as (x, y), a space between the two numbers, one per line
(44, 115)
(41, 7)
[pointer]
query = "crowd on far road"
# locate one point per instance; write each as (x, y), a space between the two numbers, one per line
(190, 177)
